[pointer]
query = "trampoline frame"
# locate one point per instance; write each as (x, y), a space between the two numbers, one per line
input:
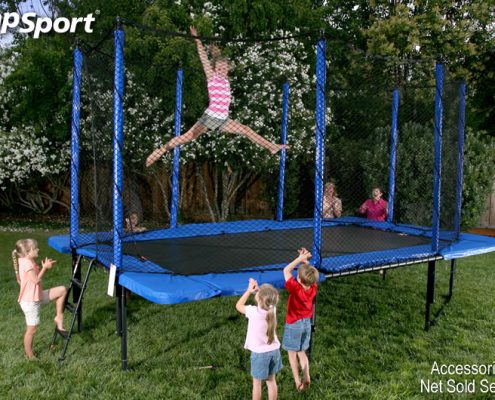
(118, 234)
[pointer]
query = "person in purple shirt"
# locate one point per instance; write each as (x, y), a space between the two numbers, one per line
(375, 208)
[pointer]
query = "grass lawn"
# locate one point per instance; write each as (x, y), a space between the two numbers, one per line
(369, 343)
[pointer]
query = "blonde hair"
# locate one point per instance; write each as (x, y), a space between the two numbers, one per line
(268, 299)
(331, 184)
(308, 274)
(22, 249)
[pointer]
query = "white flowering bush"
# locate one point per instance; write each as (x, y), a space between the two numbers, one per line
(257, 74)
(32, 170)
(24, 154)
(145, 121)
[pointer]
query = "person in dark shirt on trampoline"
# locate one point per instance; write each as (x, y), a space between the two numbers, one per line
(216, 115)
(375, 208)
(297, 331)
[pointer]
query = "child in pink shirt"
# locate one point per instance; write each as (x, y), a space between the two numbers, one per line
(31, 295)
(261, 337)
(216, 116)
(375, 208)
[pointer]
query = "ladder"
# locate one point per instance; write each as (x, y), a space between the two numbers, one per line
(77, 287)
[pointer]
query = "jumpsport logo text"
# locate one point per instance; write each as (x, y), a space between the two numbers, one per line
(31, 23)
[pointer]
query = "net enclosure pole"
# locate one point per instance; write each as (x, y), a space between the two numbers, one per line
(437, 165)
(393, 154)
(460, 156)
(118, 172)
(74, 160)
(118, 142)
(283, 155)
(174, 207)
(319, 149)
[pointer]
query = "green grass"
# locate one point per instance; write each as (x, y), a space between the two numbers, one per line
(369, 342)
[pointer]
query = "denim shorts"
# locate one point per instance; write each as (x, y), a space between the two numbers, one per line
(265, 364)
(297, 335)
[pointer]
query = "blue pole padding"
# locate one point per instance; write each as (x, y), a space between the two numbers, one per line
(437, 165)
(283, 155)
(118, 143)
(74, 160)
(319, 149)
(460, 157)
(174, 207)
(393, 155)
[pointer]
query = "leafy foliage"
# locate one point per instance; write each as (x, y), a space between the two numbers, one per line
(36, 76)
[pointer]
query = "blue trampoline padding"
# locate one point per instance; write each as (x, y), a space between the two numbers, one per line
(468, 245)
(233, 284)
(376, 258)
(144, 279)
(60, 243)
(167, 289)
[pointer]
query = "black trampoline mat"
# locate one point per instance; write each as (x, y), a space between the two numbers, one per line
(235, 251)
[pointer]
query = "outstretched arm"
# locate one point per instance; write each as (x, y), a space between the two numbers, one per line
(241, 303)
(202, 53)
(304, 256)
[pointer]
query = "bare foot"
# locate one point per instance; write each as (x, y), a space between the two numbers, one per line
(279, 147)
(300, 386)
(60, 323)
(306, 384)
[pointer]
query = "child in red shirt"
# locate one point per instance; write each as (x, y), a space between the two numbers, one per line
(297, 332)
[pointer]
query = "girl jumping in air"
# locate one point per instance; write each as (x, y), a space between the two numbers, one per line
(31, 295)
(216, 115)
(261, 338)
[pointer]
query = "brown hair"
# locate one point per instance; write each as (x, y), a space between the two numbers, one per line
(268, 300)
(308, 274)
(220, 59)
(22, 249)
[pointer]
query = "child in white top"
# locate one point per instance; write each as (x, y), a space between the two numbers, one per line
(261, 337)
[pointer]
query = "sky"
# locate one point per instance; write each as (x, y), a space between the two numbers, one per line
(25, 6)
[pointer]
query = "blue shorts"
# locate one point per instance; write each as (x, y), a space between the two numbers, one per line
(297, 335)
(265, 364)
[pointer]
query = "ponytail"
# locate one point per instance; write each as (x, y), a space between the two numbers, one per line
(15, 262)
(22, 249)
(268, 300)
(271, 321)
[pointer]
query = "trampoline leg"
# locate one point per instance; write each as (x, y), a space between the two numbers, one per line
(430, 293)
(123, 326)
(118, 309)
(453, 264)
(313, 328)
(76, 291)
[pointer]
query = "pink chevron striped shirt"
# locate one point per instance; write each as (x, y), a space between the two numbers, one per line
(220, 97)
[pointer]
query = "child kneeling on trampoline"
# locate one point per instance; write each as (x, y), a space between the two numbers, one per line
(297, 331)
(261, 337)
